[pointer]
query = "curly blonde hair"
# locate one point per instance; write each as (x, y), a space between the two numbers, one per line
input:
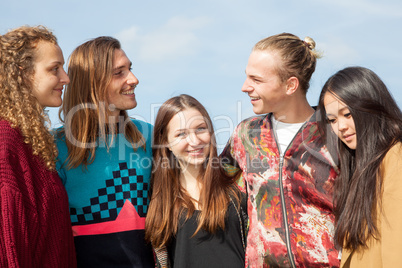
(18, 104)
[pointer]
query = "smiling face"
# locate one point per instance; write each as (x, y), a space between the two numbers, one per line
(189, 137)
(120, 91)
(263, 84)
(49, 77)
(341, 120)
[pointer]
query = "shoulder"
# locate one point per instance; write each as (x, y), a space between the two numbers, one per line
(10, 138)
(395, 151)
(58, 133)
(394, 156)
(59, 136)
(248, 129)
(16, 156)
(60, 141)
(144, 127)
(255, 120)
(252, 124)
(391, 168)
(6, 131)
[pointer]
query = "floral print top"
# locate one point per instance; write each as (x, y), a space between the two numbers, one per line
(289, 197)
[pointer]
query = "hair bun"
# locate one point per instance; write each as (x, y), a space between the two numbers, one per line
(309, 42)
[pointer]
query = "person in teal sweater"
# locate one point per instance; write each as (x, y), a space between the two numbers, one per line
(105, 158)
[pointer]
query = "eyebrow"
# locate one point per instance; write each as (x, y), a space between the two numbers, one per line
(339, 111)
(255, 76)
(184, 129)
(123, 66)
(57, 62)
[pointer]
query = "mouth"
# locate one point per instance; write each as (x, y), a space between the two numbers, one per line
(199, 151)
(59, 89)
(348, 137)
(128, 92)
(254, 98)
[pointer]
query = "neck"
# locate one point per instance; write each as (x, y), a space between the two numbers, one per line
(296, 110)
(114, 117)
(190, 173)
(190, 182)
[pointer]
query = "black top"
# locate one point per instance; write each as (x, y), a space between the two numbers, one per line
(222, 249)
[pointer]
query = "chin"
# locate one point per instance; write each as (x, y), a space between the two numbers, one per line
(133, 106)
(54, 104)
(259, 112)
(197, 162)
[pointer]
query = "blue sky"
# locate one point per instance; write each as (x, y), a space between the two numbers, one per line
(201, 47)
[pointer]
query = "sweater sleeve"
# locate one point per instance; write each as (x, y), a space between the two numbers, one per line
(391, 216)
(16, 245)
(18, 234)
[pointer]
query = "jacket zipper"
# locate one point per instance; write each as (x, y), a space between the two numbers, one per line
(285, 215)
(283, 206)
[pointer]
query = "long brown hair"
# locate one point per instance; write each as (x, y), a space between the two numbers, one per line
(378, 124)
(19, 106)
(85, 109)
(168, 197)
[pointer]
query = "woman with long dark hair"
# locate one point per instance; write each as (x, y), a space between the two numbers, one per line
(194, 210)
(368, 196)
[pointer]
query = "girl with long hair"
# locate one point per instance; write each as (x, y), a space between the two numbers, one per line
(360, 110)
(195, 210)
(34, 217)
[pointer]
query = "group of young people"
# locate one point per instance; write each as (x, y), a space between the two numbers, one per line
(296, 186)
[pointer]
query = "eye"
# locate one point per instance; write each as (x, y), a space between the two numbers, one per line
(55, 69)
(118, 73)
(347, 115)
(201, 129)
(331, 120)
(181, 134)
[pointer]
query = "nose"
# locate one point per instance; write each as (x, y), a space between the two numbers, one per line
(64, 79)
(132, 79)
(246, 87)
(193, 139)
(342, 126)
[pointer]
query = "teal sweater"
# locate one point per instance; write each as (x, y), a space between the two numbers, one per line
(108, 202)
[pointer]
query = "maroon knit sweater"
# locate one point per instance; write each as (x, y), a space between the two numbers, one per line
(35, 227)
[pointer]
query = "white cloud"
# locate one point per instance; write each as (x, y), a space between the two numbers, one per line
(176, 38)
(129, 35)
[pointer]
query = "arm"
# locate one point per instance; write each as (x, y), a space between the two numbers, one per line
(391, 217)
(16, 239)
(162, 259)
(18, 219)
(230, 165)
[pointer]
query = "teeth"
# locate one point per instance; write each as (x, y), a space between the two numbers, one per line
(195, 151)
(129, 92)
(254, 98)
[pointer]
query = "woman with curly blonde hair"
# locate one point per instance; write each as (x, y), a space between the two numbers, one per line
(34, 218)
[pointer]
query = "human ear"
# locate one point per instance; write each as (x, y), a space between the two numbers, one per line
(292, 84)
